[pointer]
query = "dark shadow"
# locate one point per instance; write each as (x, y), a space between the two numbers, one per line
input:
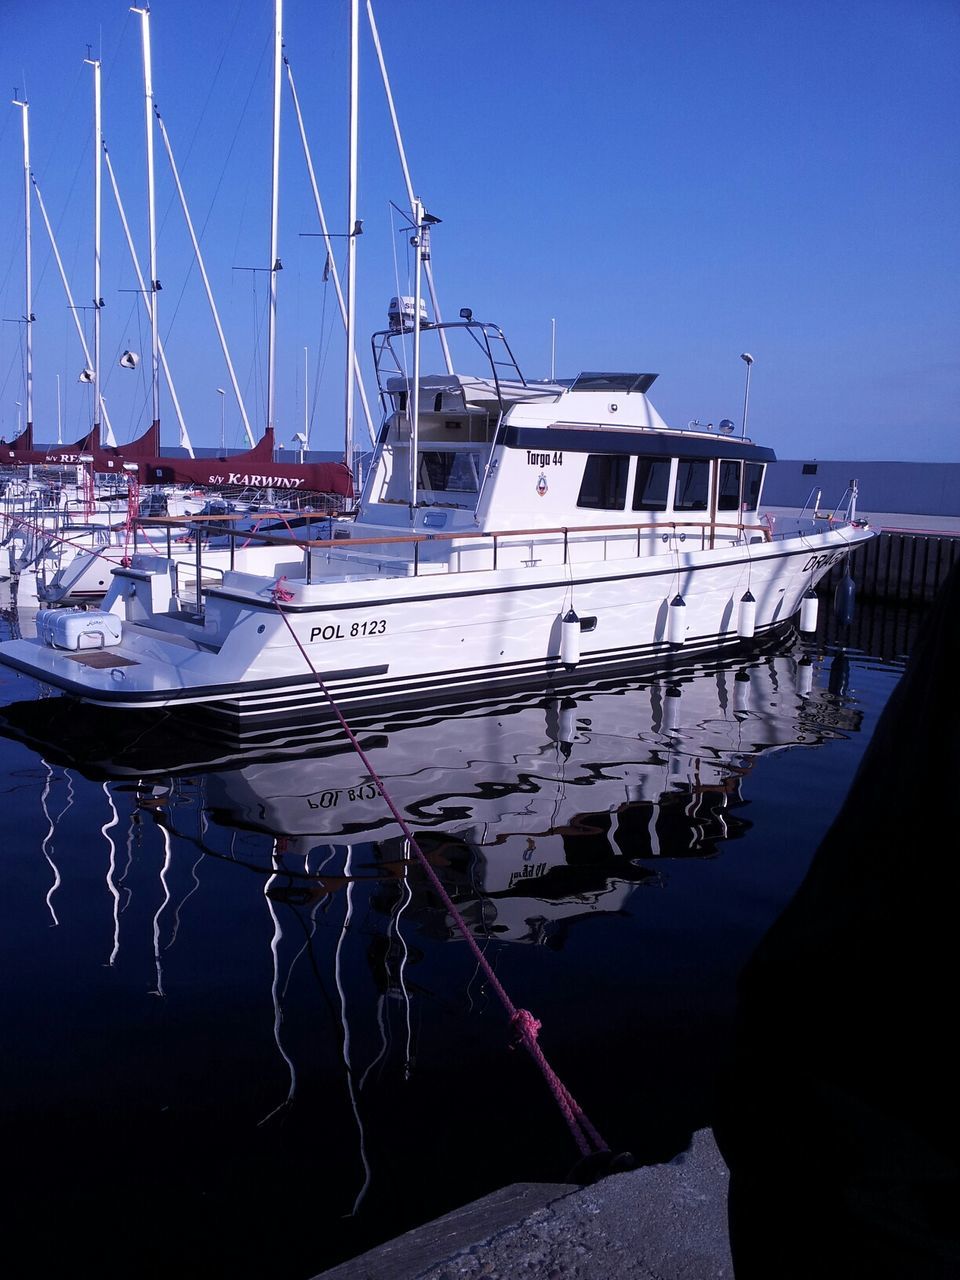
(837, 1114)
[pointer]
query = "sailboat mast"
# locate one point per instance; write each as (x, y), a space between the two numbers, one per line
(97, 224)
(274, 211)
(184, 434)
(351, 227)
(28, 285)
(151, 212)
(205, 278)
(331, 261)
(66, 288)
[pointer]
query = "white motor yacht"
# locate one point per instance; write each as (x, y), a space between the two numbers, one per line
(507, 532)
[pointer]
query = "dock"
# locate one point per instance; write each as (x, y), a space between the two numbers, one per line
(906, 564)
(658, 1222)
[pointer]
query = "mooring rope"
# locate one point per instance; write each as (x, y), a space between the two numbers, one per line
(525, 1025)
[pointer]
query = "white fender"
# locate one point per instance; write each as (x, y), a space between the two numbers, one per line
(677, 621)
(809, 606)
(570, 639)
(747, 616)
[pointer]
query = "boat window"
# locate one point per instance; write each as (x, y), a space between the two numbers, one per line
(449, 472)
(604, 484)
(651, 489)
(752, 482)
(613, 382)
(728, 491)
(693, 480)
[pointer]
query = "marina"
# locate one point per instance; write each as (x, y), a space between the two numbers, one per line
(468, 813)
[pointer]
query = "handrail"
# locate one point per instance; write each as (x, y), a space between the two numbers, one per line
(816, 495)
(347, 544)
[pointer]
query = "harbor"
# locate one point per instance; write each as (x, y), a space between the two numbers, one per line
(479, 540)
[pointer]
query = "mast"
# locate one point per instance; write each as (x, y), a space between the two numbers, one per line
(97, 224)
(428, 269)
(28, 283)
(413, 400)
(348, 448)
(184, 434)
(66, 288)
(331, 260)
(275, 265)
(151, 212)
(206, 282)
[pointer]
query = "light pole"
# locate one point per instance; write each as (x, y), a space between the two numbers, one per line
(221, 393)
(747, 358)
(19, 406)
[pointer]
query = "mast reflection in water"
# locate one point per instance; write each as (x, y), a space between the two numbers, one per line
(240, 1044)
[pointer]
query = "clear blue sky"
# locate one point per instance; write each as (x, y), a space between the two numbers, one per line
(672, 181)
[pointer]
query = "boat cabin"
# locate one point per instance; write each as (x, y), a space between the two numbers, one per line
(500, 453)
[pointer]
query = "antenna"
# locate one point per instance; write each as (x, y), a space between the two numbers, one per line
(747, 358)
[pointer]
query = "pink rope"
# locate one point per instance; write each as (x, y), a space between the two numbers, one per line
(524, 1023)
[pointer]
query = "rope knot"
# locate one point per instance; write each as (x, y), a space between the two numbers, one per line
(279, 591)
(526, 1026)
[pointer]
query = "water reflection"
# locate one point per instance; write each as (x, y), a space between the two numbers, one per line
(266, 968)
(534, 811)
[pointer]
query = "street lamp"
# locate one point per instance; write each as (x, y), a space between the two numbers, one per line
(18, 416)
(222, 394)
(747, 358)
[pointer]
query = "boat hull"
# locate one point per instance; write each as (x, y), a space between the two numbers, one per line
(257, 655)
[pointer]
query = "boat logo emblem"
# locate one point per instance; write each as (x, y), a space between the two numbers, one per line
(541, 484)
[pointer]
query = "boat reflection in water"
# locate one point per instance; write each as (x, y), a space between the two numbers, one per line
(240, 977)
(534, 811)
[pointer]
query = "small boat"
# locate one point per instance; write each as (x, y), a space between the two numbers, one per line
(507, 532)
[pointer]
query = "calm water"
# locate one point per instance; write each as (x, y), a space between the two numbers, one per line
(241, 1035)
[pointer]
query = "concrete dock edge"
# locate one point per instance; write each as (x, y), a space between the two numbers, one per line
(659, 1222)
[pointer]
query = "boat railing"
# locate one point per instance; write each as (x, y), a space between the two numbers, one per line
(812, 503)
(675, 535)
(846, 508)
(188, 582)
(489, 338)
